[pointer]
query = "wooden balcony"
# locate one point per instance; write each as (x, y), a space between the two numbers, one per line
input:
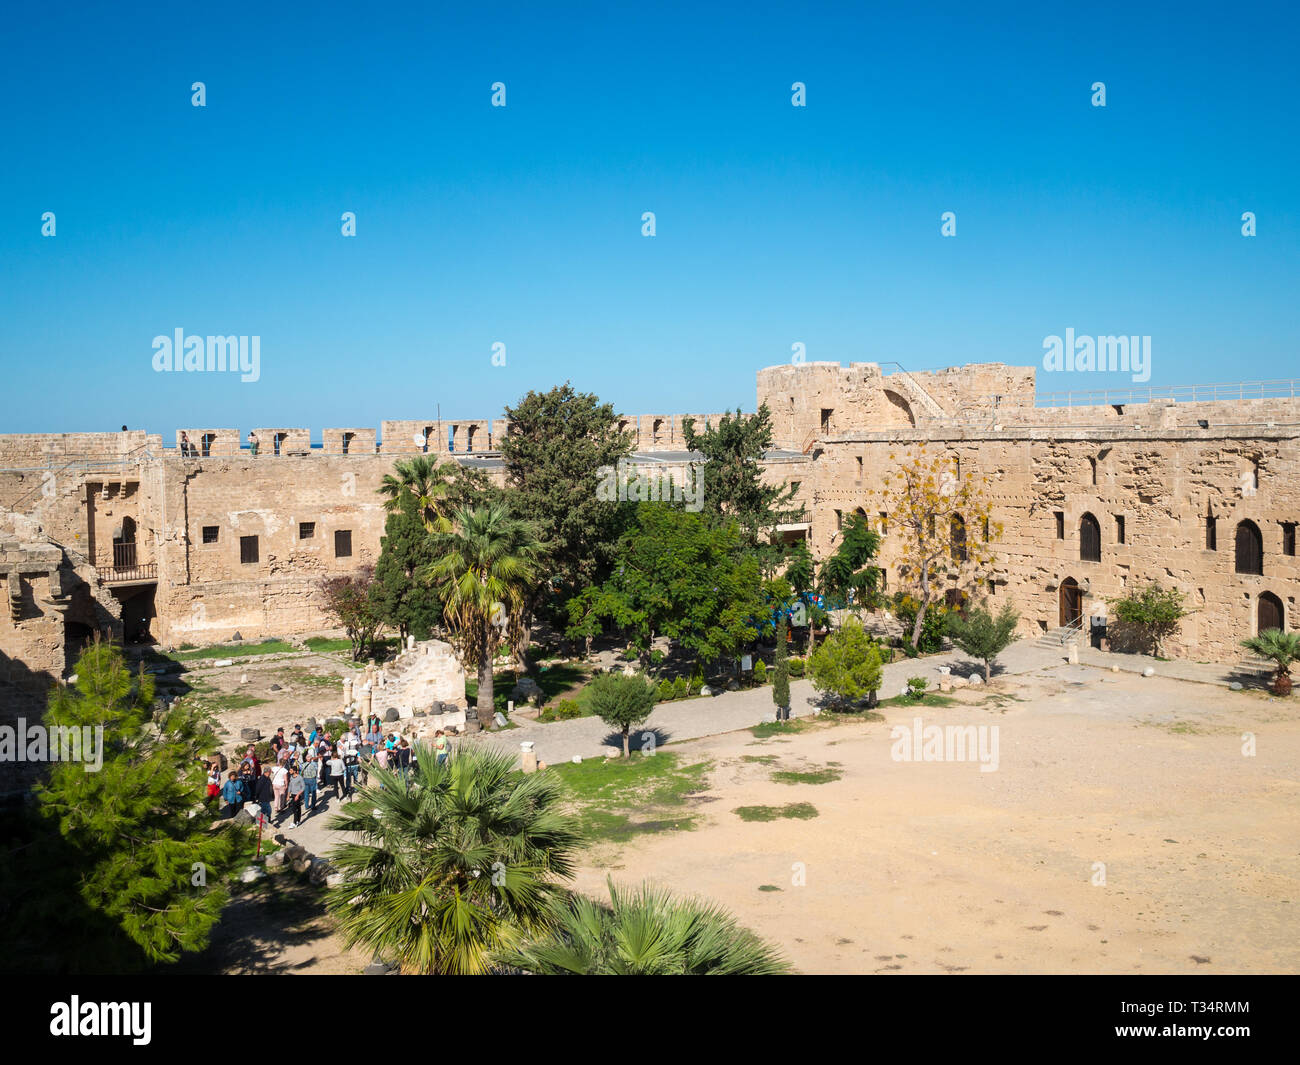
(125, 567)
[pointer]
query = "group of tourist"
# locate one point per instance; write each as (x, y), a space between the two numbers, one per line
(305, 766)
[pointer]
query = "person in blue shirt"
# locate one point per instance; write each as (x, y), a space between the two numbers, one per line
(233, 794)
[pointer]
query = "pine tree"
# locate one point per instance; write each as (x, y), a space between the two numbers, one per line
(403, 603)
(137, 854)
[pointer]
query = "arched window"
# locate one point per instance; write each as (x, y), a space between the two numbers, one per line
(957, 538)
(1089, 539)
(1269, 613)
(1250, 548)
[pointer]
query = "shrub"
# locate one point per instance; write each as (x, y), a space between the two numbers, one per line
(665, 690)
(1145, 618)
(846, 665)
(796, 667)
(631, 655)
(696, 683)
(680, 688)
(916, 687)
(760, 672)
(657, 657)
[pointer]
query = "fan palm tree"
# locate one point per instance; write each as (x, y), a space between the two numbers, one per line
(427, 482)
(484, 570)
(461, 861)
(645, 932)
(1282, 648)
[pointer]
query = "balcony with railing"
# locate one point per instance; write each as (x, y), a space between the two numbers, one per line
(125, 567)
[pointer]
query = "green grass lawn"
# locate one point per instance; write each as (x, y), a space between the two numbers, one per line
(814, 776)
(616, 799)
(234, 650)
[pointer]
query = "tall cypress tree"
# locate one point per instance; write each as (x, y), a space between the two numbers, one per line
(781, 684)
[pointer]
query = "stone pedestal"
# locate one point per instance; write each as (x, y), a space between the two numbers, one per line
(347, 693)
(1073, 655)
(528, 757)
(366, 701)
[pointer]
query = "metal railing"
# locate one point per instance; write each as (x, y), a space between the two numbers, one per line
(1211, 393)
(1072, 631)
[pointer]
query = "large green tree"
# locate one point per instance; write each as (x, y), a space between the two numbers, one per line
(557, 447)
(676, 575)
(622, 702)
(734, 488)
(983, 634)
(136, 863)
(402, 602)
(483, 571)
(460, 862)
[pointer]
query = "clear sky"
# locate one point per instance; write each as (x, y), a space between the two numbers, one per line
(522, 225)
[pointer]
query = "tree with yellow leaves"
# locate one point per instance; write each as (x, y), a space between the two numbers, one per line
(944, 527)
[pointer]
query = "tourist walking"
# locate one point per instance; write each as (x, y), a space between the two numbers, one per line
(233, 793)
(338, 773)
(310, 773)
(280, 785)
(253, 443)
(296, 791)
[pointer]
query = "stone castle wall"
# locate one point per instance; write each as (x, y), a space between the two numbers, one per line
(228, 543)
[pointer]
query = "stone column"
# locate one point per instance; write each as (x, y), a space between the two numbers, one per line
(528, 757)
(347, 694)
(366, 697)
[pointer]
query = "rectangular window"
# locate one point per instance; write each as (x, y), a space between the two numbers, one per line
(1211, 534)
(248, 550)
(993, 586)
(859, 477)
(884, 523)
(210, 534)
(1060, 525)
(839, 520)
(1119, 528)
(794, 487)
(343, 543)
(1288, 537)
(306, 530)
(986, 530)
(826, 419)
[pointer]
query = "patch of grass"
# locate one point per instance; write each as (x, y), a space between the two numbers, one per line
(768, 887)
(815, 776)
(929, 699)
(235, 650)
(308, 678)
(220, 702)
(616, 799)
(802, 811)
(779, 728)
(765, 759)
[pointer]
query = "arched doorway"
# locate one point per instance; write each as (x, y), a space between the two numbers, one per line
(1089, 539)
(1268, 613)
(1250, 548)
(1071, 602)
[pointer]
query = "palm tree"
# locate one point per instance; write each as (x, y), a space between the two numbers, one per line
(463, 860)
(1283, 648)
(427, 482)
(645, 932)
(484, 570)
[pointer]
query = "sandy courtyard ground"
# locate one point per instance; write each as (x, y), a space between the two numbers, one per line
(938, 867)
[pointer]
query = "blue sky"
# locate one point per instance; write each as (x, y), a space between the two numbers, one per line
(522, 225)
